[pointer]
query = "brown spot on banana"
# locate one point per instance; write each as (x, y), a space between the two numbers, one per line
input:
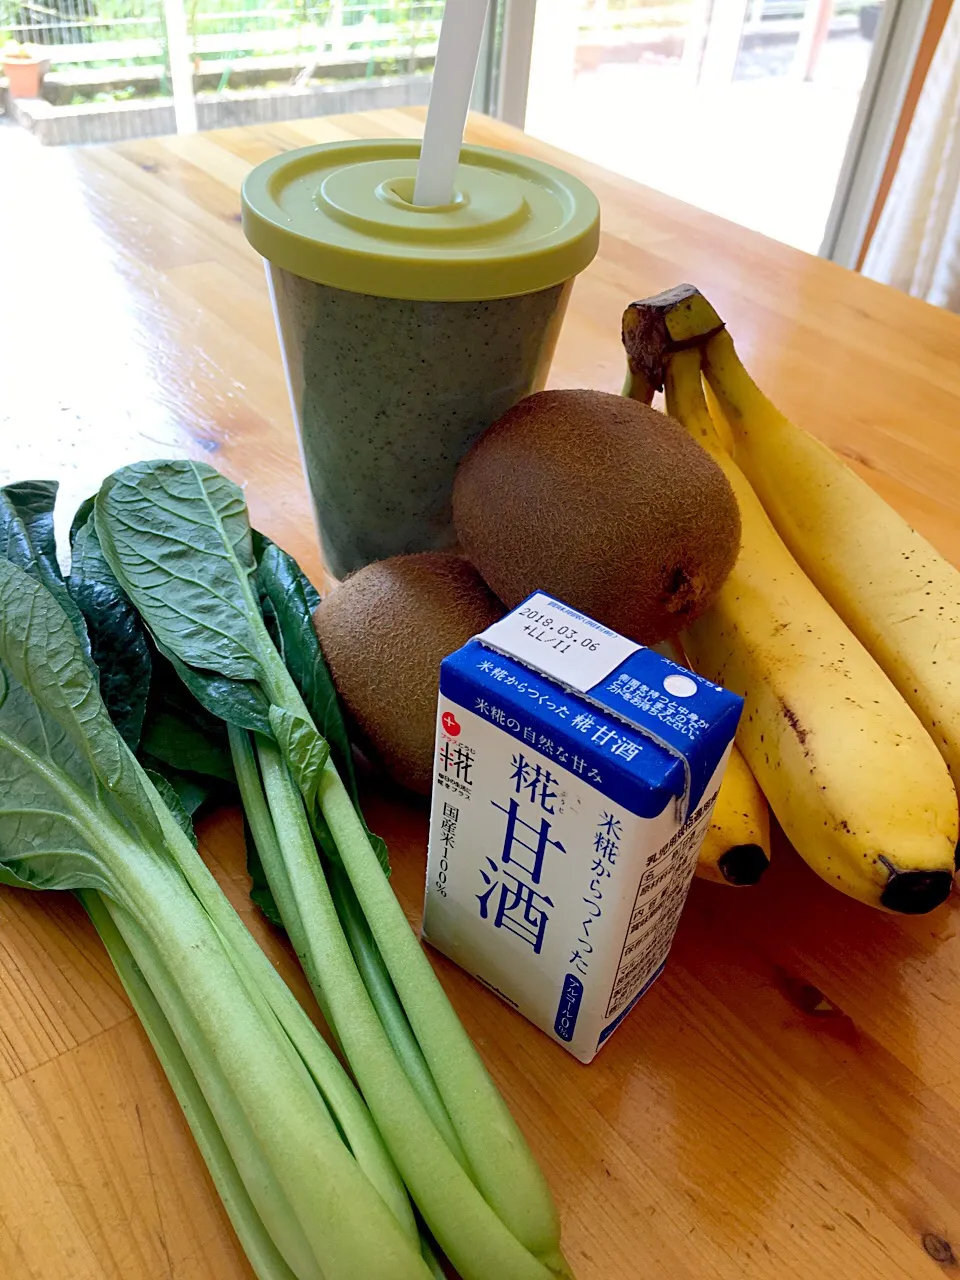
(794, 722)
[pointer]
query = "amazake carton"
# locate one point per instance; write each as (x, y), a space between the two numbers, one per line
(574, 778)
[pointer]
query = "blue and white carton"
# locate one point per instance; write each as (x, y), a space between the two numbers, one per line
(574, 778)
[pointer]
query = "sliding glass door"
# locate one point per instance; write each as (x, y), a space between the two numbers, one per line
(772, 113)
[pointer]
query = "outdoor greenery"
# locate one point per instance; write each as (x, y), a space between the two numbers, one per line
(101, 42)
(64, 22)
(308, 22)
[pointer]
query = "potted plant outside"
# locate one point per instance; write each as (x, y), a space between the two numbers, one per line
(24, 69)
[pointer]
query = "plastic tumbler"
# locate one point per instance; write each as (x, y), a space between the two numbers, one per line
(406, 331)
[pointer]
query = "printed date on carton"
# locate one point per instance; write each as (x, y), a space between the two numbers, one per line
(556, 632)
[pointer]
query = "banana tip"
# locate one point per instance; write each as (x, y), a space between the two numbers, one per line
(913, 893)
(744, 864)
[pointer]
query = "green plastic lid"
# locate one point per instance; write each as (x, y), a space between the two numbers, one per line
(341, 214)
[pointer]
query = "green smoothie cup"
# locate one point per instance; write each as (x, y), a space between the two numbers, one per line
(407, 330)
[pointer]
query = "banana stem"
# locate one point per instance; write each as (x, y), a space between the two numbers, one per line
(686, 401)
(637, 387)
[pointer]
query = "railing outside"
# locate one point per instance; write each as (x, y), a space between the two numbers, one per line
(104, 33)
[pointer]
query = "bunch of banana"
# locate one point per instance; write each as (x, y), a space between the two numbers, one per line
(852, 774)
(894, 591)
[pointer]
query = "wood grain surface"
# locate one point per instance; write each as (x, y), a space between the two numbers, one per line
(786, 1101)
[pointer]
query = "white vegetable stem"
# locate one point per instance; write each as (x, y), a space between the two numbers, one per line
(321, 1210)
(367, 958)
(340, 1095)
(502, 1163)
(257, 1243)
(464, 1224)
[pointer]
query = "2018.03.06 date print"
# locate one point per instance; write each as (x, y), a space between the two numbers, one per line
(546, 629)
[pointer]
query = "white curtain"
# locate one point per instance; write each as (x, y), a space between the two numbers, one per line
(917, 242)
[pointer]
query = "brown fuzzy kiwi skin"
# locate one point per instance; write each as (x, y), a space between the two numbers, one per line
(603, 502)
(384, 632)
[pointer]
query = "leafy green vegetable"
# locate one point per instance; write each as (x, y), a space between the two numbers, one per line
(40, 832)
(33, 503)
(27, 539)
(182, 743)
(57, 748)
(147, 702)
(81, 516)
(78, 812)
(118, 640)
(192, 790)
(292, 599)
(289, 599)
(177, 537)
(171, 798)
(163, 525)
(254, 1237)
(240, 702)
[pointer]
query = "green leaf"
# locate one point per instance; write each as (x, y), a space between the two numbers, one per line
(33, 502)
(292, 598)
(177, 536)
(304, 751)
(284, 586)
(193, 789)
(27, 539)
(181, 743)
(83, 514)
(171, 798)
(240, 702)
(40, 651)
(146, 698)
(261, 545)
(118, 639)
(65, 774)
(13, 881)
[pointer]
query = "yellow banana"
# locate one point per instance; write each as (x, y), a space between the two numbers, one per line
(848, 769)
(720, 420)
(736, 848)
(897, 594)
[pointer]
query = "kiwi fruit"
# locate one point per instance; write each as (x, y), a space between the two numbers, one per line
(604, 503)
(384, 632)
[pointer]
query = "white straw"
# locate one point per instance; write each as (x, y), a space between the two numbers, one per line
(457, 53)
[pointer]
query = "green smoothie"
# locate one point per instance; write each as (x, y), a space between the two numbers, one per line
(406, 332)
(390, 394)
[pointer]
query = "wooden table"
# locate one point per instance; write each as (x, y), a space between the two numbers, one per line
(786, 1101)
